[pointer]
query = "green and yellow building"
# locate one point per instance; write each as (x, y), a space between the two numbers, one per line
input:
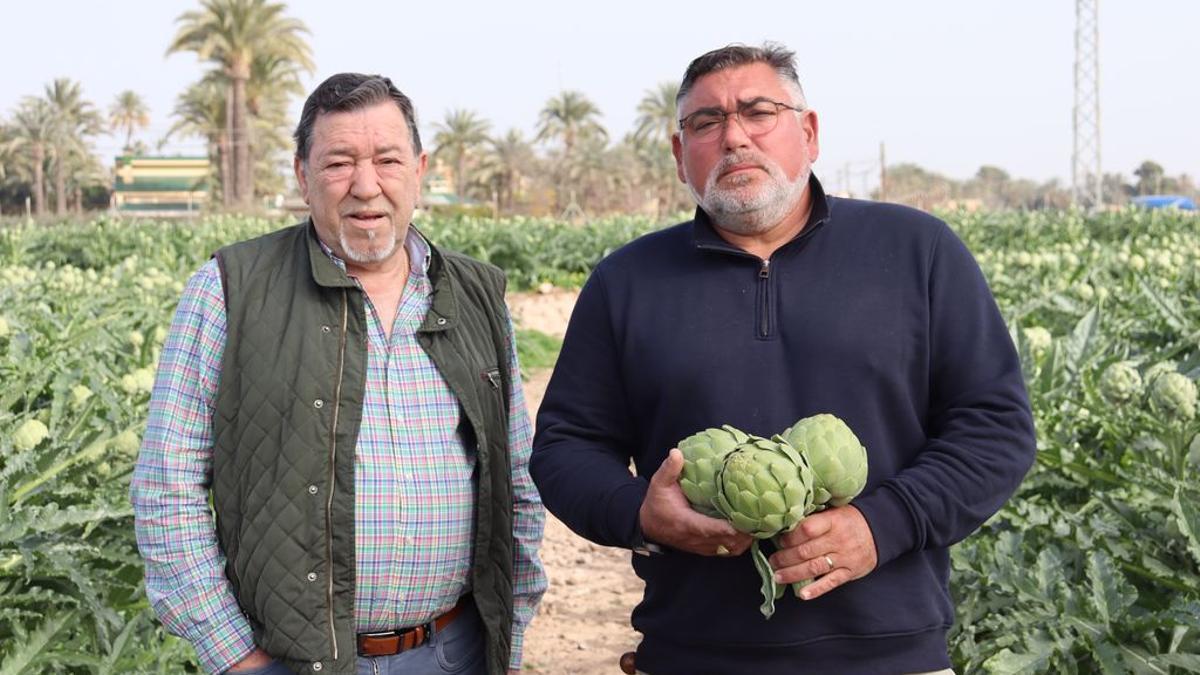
(160, 186)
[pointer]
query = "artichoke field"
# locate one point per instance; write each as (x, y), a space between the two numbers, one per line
(1093, 567)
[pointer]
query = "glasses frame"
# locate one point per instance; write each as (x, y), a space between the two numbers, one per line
(726, 114)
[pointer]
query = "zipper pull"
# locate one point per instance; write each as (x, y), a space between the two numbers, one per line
(765, 270)
(493, 377)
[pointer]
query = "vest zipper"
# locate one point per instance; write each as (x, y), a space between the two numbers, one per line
(337, 401)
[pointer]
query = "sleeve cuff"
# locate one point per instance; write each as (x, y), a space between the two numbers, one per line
(892, 523)
(221, 649)
(517, 654)
(622, 513)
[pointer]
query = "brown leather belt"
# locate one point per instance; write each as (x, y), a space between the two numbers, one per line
(392, 642)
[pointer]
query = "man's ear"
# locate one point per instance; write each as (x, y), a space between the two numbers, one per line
(301, 177)
(677, 150)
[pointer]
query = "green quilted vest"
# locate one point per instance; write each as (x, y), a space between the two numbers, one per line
(287, 416)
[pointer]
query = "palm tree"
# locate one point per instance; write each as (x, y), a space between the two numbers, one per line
(200, 111)
(508, 157)
(658, 114)
(457, 138)
(274, 80)
(74, 120)
(7, 156)
(572, 118)
(569, 116)
(87, 173)
(130, 113)
(656, 123)
(33, 129)
(232, 34)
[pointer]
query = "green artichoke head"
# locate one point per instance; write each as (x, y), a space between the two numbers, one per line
(1039, 339)
(838, 459)
(1121, 382)
(764, 487)
(703, 454)
(29, 434)
(1174, 395)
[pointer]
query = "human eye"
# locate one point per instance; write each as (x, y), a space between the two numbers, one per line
(706, 121)
(763, 110)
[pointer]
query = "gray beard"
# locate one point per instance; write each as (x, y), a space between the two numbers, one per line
(754, 213)
(369, 253)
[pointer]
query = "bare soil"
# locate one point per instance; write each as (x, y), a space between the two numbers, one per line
(582, 626)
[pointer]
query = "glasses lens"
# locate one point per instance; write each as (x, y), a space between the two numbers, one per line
(705, 125)
(759, 117)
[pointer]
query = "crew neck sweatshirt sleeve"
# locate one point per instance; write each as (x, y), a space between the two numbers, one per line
(582, 449)
(979, 426)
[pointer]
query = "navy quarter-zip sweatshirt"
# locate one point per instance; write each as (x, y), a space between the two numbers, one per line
(876, 313)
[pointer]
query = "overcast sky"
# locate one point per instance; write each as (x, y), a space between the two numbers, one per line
(949, 85)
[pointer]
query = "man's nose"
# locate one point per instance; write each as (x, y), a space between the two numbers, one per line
(365, 183)
(734, 135)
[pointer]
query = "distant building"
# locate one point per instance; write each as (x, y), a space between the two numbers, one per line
(160, 186)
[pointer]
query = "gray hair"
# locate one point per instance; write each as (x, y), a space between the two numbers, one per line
(780, 58)
(351, 91)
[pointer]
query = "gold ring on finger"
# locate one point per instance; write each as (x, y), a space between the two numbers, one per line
(721, 550)
(829, 561)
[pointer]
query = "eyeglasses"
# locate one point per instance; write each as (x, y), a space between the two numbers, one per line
(757, 117)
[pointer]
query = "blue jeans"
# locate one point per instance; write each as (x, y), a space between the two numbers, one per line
(458, 650)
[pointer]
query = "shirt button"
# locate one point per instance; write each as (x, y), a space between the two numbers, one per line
(312, 489)
(317, 665)
(326, 329)
(312, 576)
(441, 322)
(318, 404)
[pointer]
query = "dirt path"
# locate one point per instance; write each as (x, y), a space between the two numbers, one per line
(582, 626)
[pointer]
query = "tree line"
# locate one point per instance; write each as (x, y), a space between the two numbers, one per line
(992, 188)
(256, 56)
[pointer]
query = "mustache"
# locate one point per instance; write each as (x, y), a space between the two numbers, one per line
(730, 161)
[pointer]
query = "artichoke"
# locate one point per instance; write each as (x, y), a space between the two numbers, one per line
(702, 456)
(1160, 368)
(1039, 339)
(765, 488)
(1121, 382)
(1174, 395)
(29, 434)
(127, 443)
(838, 459)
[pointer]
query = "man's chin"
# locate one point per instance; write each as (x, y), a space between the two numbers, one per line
(370, 250)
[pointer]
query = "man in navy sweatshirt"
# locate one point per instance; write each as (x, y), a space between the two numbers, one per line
(774, 303)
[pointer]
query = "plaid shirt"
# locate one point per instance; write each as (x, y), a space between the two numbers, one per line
(414, 497)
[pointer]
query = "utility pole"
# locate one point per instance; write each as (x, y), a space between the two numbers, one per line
(1086, 175)
(882, 174)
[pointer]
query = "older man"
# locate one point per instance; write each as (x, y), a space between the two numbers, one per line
(350, 397)
(774, 303)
